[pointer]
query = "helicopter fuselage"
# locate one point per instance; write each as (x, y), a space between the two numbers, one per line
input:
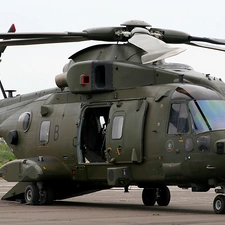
(115, 123)
(124, 133)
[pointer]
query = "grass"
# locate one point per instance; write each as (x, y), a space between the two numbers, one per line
(6, 154)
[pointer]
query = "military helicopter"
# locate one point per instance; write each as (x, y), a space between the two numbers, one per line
(119, 116)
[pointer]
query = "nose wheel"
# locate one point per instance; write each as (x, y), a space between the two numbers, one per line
(160, 195)
(35, 196)
(31, 195)
(219, 204)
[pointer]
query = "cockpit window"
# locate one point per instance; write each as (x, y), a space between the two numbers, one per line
(207, 115)
(178, 121)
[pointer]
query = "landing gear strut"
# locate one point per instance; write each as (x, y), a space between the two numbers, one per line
(160, 195)
(35, 195)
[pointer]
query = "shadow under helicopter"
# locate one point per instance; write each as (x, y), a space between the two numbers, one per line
(135, 207)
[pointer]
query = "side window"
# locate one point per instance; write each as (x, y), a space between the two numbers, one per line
(44, 132)
(117, 127)
(24, 121)
(178, 121)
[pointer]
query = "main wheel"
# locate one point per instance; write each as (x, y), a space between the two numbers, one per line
(163, 196)
(149, 196)
(46, 196)
(219, 204)
(31, 195)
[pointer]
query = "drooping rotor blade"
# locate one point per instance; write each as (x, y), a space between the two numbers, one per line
(204, 45)
(208, 40)
(47, 40)
(39, 35)
(155, 48)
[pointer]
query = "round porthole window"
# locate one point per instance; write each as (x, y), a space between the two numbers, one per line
(24, 121)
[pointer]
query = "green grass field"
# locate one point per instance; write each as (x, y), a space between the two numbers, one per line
(6, 154)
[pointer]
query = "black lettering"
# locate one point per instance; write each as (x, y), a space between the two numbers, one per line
(56, 133)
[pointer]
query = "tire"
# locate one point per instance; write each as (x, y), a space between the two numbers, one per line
(219, 204)
(163, 196)
(31, 195)
(46, 196)
(149, 196)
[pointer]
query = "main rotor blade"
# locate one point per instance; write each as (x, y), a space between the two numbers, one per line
(146, 39)
(208, 40)
(40, 35)
(179, 37)
(97, 34)
(208, 46)
(47, 40)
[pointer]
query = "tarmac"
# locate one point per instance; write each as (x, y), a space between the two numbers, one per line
(113, 207)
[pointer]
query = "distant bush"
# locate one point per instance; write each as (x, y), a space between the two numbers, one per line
(6, 154)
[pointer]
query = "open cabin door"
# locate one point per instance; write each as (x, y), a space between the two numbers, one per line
(124, 138)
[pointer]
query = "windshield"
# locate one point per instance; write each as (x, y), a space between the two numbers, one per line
(207, 115)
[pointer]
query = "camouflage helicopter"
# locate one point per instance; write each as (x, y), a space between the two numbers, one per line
(120, 116)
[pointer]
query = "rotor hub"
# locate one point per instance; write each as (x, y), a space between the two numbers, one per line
(131, 24)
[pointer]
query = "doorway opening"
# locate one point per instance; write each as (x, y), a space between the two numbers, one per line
(93, 134)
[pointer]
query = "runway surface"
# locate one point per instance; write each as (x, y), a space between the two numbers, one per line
(113, 207)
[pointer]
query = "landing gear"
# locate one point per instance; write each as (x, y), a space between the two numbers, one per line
(219, 204)
(163, 196)
(149, 196)
(46, 196)
(160, 195)
(31, 195)
(35, 195)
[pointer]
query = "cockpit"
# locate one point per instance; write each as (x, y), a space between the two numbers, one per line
(196, 109)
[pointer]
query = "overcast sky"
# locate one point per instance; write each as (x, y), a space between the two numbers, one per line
(32, 68)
